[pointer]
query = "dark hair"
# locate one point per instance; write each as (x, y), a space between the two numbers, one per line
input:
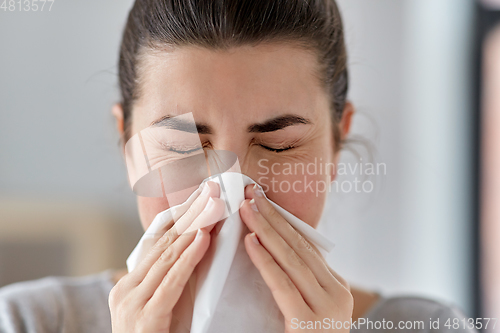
(220, 24)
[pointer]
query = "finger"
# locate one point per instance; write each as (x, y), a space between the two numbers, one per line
(210, 215)
(340, 279)
(306, 251)
(210, 190)
(172, 285)
(135, 277)
(249, 191)
(284, 291)
(291, 263)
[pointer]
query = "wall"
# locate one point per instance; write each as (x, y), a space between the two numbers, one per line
(408, 81)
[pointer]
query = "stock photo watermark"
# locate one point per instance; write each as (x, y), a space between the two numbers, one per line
(411, 325)
(26, 5)
(299, 177)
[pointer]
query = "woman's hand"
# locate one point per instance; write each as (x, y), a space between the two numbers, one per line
(143, 300)
(302, 284)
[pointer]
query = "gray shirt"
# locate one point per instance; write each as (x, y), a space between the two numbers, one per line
(62, 304)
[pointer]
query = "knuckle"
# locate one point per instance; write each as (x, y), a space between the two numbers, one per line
(121, 309)
(114, 296)
(164, 241)
(341, 280)
(346, 298)
(167, 238)
(342, 299)
(303, 245)
(193, 210)
(345, 283)
(186, 260)
(173, 281)
(268, 261)
(131, 280)
(286, 285)
(125, 304)
(295, 261)
(117, 294)
(273, 214)
(167, 256)
(267, 229)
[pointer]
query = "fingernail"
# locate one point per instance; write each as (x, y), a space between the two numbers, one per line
(198, 235)
(257, 190)
(206, 189)
(253, 205)
(209, 205)
(254, 238)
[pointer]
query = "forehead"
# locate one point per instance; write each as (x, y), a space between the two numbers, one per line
(255, 82)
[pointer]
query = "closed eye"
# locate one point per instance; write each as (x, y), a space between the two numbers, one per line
(182, 151)
(185, 151)
(277, 150)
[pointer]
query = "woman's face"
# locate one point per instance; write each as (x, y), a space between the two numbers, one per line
(251, 100)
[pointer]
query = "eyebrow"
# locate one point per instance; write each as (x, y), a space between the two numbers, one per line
(270, 125)
(171, 122)
(278, 123)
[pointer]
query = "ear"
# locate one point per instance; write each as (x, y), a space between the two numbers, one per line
(345, 122)
(117, 112)
(345, 127)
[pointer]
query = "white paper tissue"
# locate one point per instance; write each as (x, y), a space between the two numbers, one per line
(226, 293)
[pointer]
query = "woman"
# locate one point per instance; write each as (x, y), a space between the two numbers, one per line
(268, 81)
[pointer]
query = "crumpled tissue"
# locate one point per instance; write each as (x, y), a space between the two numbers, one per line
(226, 292)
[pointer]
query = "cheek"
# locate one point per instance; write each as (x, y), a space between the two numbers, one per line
(303, 195)
(149, 208)
(299, 183)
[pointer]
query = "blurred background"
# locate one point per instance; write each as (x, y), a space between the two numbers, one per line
(425, 78)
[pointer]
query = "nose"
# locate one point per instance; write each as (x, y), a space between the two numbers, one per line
(235, 144)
